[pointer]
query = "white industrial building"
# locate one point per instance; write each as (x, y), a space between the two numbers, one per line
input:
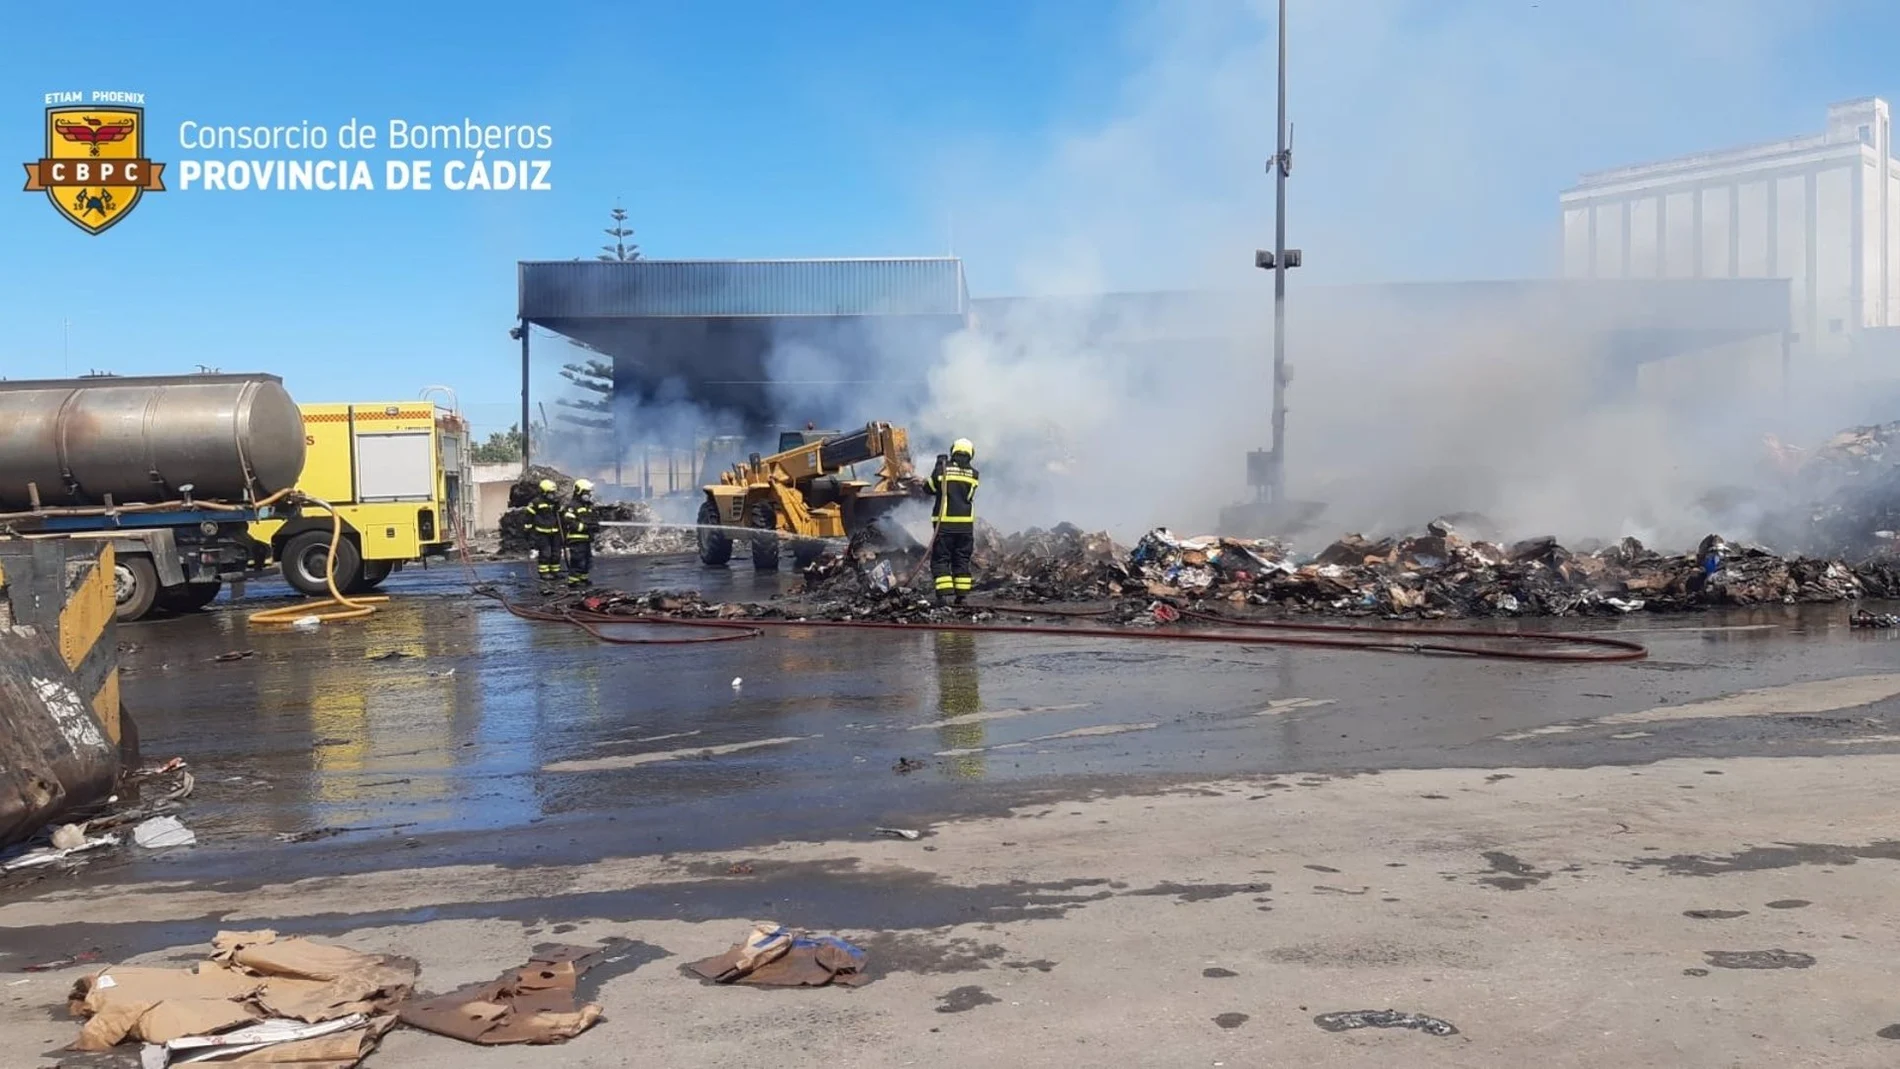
(1822, 211)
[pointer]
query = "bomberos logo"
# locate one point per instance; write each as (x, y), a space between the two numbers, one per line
(94, 171)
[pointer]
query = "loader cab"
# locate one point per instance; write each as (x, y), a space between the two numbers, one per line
(790, 440)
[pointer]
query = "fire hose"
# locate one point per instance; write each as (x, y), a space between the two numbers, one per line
(347, 608)
(1547, 648)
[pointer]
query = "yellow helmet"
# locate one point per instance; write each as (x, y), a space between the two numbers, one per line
(963, 446)
(583, 486)
(548, 487)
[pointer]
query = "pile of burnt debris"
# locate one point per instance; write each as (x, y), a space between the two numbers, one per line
(1438, 573)
(516, 541)
(1848, 494)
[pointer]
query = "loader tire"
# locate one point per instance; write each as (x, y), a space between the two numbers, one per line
(765, 546)
(715, 547)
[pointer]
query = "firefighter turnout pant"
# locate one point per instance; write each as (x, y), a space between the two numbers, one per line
(547, 556)
(950, 558)
(580, 561)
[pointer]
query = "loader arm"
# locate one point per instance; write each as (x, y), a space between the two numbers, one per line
(794, 517)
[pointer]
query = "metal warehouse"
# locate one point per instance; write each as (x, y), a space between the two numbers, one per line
(713, 332)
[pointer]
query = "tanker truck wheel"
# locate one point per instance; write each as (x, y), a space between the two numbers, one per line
(765, 547)
(715, 547)
(304, 559)
(188, 598)
(134, 587)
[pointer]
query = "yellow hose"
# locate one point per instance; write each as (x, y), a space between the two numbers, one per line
(352, 608)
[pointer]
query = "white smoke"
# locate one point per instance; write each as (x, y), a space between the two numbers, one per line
(1431, 141)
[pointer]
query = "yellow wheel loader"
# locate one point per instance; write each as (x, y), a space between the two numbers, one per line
(807, 492)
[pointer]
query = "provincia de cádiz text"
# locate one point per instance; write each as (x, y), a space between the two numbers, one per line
(397, 154)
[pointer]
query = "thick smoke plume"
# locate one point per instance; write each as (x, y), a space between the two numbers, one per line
(1431, 141)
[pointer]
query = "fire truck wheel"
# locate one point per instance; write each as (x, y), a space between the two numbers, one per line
(304, 559)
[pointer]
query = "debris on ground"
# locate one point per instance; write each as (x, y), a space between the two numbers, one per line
(907, 765)
(1841, 499)
(50, 855)
(1061, 564)
(775, 956)
(1883, 620)
(80, 958)
(161, 832)
(235, 655)
(536, 1003)
(275, 1041)
(901, 833)
(250, 979)
(1351, 1020)
(636, 540)
(1437, 573)
(67, 846)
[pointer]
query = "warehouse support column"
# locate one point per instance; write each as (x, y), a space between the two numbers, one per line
(1787, 376)
(522, 332)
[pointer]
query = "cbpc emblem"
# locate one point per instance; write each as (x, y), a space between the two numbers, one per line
(95, 169)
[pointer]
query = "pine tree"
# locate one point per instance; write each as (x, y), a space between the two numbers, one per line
(594, 377)
(621, 250)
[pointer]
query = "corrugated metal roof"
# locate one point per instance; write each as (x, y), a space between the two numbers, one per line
(582, 289)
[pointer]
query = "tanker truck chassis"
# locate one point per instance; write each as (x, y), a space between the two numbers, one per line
(175, 561)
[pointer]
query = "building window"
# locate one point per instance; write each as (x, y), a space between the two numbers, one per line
(1835, 326)
(1866, 135)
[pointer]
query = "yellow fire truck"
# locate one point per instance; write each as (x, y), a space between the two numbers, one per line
(396, 472)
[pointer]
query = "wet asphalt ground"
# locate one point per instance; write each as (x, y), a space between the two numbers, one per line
(445, 729)
(1197, 854)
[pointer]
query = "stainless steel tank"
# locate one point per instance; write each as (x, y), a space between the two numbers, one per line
(229, 437)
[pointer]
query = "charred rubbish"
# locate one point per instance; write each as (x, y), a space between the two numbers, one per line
(1436, 574)
(1843, 497)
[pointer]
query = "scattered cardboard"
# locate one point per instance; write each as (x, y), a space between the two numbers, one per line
(251, 977)
(535, 1003)
(773, 956)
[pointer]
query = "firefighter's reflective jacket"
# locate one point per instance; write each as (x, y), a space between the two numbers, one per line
(544, 515)
(954, 483)
(579, 522)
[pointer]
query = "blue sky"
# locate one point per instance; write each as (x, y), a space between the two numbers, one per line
(1119, 144)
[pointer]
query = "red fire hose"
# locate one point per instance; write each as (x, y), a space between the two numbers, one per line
(1548, 648)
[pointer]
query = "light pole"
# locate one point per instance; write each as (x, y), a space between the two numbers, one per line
(1271, 483)
(520, 334)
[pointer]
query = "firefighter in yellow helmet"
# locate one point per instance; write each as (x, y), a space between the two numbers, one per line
(544, 525)
(579, 525)
(953, 481)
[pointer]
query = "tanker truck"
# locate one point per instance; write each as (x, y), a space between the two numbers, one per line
(170, 470)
